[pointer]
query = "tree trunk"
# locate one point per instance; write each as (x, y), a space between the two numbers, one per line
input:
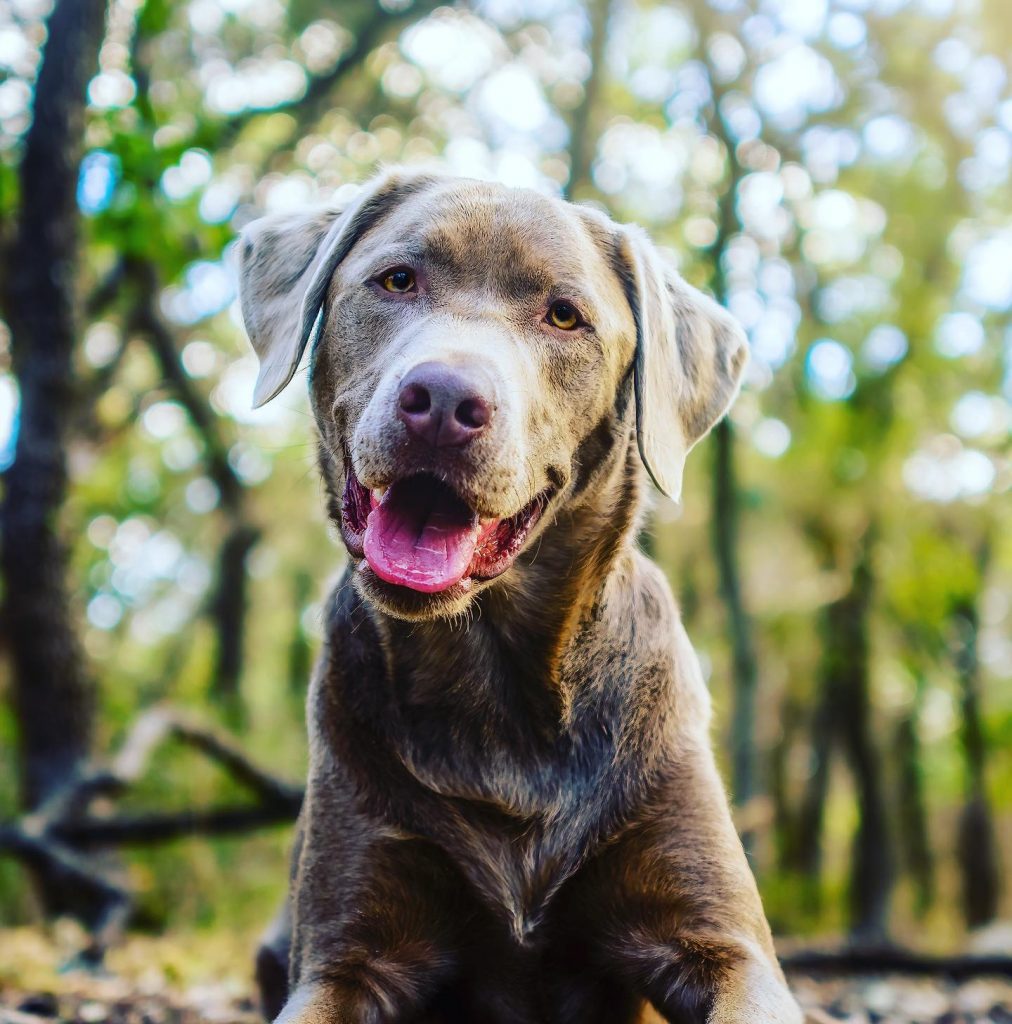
(745, 781)
(582, 137)
(785, 817)
(804, 851)
(300, 650)
(744, 768)
(847, 668)
(977, 847)
(229, 606)
(54, 698)
(915, 846)
(843, 719)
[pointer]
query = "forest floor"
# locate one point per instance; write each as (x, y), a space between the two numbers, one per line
(200, 980)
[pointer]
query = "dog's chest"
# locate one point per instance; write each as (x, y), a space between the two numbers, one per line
(478, 758)
(517, 818)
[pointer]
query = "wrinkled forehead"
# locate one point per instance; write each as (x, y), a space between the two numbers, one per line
(512, 242)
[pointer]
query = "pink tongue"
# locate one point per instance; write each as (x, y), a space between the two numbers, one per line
(421, 536)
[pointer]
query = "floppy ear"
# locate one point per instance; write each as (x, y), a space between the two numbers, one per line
(286, 262)
(690, 355)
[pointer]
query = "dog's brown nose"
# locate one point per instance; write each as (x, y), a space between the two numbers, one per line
(444, 406)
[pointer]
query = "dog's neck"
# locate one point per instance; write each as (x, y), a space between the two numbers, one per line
(511, 653)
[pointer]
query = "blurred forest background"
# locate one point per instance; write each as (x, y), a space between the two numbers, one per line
(836, 172)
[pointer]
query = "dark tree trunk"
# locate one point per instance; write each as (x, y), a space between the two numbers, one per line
(843, 720)
(784, 814)
(744, 770)
(745, 780)
(977, 847)
(300, 651)
(803, 852)
(806, 848)
(847, 677)
(228, 607)
(915, 846)
(54, 698)
(229, 602)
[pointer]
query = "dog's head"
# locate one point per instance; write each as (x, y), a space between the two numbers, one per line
(468, 339)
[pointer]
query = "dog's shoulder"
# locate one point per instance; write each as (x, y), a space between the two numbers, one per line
(645, 619)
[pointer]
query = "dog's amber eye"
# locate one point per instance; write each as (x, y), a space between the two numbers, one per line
(563, 316)
(399, 281)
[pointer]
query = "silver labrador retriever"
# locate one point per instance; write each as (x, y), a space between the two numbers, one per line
(512, 814)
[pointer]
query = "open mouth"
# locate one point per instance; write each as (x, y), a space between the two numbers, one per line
(419, 533)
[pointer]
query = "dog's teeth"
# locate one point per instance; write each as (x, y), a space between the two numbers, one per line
(378, 493)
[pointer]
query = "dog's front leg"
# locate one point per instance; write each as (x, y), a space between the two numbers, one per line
(372, 952)
(682, 918)
(376, 919)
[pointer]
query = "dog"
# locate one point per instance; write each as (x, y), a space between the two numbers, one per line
(512, 813)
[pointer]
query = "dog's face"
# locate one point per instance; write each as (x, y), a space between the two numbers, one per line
(470, 337)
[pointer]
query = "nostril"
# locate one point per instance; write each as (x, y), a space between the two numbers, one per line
(473, 413)
(415, 399)
(444, 406)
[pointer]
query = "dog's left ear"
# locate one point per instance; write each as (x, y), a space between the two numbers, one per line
(286, 262)
(690, 356)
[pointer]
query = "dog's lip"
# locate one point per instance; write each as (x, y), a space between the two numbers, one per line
(500, 538)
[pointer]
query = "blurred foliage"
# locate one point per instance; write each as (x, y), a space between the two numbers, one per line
(837, 170)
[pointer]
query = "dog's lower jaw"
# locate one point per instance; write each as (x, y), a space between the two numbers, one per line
(410, 605)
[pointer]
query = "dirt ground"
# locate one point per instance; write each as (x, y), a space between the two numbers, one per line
(202, 980)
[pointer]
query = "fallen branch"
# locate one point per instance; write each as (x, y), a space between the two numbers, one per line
(160, 723)
(149, 731)
(149, 829)
(895, 960)
(108, 901)
(54, 835)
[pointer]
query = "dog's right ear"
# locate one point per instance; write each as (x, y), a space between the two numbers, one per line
(286, 262)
